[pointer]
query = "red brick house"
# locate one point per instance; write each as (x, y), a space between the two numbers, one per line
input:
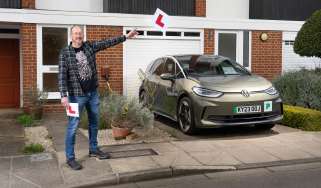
(33, 31)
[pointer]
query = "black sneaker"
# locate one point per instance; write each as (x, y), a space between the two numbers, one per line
(99, 154)
(73, 164)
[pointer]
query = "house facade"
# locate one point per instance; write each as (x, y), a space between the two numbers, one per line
(259, 34)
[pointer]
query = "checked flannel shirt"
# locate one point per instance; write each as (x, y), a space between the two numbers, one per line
(68, 71)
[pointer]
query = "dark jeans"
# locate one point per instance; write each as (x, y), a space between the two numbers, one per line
(91, 102)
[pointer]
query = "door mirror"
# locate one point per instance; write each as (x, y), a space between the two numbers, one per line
(167, 76)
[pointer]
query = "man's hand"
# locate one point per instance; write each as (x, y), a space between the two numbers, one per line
(64, 102)
(131, 34)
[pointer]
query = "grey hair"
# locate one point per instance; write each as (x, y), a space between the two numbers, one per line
(74, 26)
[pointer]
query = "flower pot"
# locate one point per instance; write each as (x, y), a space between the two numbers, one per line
(120, 132)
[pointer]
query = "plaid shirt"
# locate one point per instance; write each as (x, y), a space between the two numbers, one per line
(68, 71)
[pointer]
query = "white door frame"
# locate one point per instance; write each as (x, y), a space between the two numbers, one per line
(49, 68)
(239, 44)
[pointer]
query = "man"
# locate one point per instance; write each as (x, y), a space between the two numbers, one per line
(78, 76)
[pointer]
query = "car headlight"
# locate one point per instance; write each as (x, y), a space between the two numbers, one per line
(271, 91)
(203, 92)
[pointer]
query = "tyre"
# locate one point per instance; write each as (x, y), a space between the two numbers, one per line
(185, 116)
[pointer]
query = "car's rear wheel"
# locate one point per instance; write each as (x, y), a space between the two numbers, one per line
(185, 116)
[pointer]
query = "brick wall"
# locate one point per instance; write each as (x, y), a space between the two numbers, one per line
(113, 57)
(200, 8)
(30, 4)
(209, 36)
(29, 58)
(267, 55)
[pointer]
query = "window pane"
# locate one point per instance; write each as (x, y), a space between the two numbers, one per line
(50, 82)
(169, 66)
(246, 48)
(53, 40)
(227, 45)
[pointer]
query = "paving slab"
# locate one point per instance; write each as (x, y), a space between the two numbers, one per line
(93, 170)
(11, 137)
(57, 128)
(44, 173)
(11, 128)
(251, 155)
(180, 158)
(195, 146)
(215, 158)
(133, 164)
(288, 153)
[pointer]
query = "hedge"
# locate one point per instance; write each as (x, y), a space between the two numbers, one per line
(302, 118)
(300, 88)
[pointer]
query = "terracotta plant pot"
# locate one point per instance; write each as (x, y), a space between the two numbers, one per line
(120, 133)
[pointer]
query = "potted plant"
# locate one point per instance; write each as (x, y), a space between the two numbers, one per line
(125, 114)
(36, 100)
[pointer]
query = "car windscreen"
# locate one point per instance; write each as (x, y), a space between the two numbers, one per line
(200, 66)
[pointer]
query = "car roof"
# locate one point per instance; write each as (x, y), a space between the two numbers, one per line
(216, 57)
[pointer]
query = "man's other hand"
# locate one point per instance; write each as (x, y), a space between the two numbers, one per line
(131, 34)
(64, 102)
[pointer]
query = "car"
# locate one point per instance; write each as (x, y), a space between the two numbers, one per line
(209, 91)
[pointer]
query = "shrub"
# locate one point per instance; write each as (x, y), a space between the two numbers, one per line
(308, 40)
(33, 148)
(121, 111)
(25, 120)
(302, 118)
(301, 88)
(103, 122)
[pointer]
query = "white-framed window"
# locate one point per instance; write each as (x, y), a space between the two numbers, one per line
(235, 45)
(50, 40)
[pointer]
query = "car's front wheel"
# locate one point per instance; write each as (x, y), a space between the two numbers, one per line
(185, 116)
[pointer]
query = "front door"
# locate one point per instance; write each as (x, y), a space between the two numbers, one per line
(229, 44)
(9, 73)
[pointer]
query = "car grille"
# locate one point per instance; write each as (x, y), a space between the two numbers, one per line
(242, 117)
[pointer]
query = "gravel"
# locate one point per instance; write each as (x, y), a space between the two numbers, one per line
(38, 135)
(154, 134)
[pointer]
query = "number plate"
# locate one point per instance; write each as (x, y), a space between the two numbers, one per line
(246, 109)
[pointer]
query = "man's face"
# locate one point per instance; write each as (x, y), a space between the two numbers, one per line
(77, 35)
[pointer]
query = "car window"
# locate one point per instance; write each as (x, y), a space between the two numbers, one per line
(179, 73)
(169, 66)
(197, 65)
(159, 67)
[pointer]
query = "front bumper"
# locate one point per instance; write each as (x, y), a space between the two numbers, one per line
(241, 122)
(210, 113)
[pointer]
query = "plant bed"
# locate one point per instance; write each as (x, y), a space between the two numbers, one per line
(302, 118)
(36, 136)
(36, 100)
(137, 135)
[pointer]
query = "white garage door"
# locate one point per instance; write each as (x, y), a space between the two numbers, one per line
(292, 61)
(138, 53)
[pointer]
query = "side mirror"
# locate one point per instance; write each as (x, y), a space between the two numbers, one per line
(167, 76)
